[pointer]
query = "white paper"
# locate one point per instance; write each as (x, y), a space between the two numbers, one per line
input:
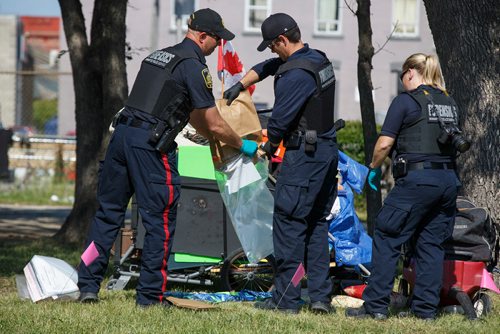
(241, 172)
(48, 277)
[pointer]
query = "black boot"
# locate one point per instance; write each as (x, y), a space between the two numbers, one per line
(361, 312)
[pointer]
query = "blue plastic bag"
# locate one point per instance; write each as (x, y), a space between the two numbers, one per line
(219, 297)
(352, 244)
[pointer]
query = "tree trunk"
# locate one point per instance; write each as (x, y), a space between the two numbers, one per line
(466, 38)
(365, 87)
(100, 83)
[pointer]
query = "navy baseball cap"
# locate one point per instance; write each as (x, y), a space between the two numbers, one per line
(209, 21)
(275, 25)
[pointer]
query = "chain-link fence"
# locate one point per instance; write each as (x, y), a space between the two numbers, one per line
(35, 153)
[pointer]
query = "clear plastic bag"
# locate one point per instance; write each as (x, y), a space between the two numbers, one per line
(249, 203)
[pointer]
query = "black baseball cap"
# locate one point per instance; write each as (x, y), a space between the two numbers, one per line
(275, 25)
(209, 21)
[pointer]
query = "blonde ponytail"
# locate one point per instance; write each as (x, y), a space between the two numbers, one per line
(428, 67)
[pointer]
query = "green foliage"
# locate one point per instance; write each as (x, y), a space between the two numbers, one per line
(43, 110)
(350, 140)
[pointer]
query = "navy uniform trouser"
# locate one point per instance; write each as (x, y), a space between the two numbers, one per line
(304, 194)
(421, 206)
(131, 166)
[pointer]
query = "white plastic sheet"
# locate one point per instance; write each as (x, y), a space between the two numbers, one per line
(49, 277)
(250, 205)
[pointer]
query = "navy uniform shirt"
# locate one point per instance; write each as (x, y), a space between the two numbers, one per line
(403, 111)
(192, 74)
(291, 91)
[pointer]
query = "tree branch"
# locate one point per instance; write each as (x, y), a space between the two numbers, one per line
(350, 8)
(388, 38)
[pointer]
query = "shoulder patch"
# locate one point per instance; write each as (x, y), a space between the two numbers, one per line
(207, 77)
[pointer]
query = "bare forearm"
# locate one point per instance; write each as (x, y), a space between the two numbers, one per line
(381, 151)
(223, 132)
(250, 78)
(210, 124)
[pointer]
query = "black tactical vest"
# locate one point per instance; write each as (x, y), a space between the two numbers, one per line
(155, 91)
(317, 112)
(421, 135)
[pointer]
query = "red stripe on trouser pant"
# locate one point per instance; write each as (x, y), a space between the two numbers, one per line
(165, 223)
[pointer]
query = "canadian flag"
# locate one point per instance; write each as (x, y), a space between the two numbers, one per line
(229, 67)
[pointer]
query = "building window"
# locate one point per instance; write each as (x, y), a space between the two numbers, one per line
(256, 11)
(405, 16)
(181, 9)
(327, 17)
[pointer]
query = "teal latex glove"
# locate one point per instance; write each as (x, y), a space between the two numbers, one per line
(249, 147)
(374, 178)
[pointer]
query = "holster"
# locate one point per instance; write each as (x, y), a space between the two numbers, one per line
(310, 140)
(399, 168)
(163, 133)
(293, 141)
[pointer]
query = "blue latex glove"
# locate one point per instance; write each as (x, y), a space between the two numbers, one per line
(374, 178)
(249, 147)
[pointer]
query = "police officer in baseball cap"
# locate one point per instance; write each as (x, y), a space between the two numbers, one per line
(209, 21)
(173, 86)
(303, 117)
(273, 26)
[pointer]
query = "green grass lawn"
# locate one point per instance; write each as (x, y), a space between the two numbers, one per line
(117, 313)
(41, 192)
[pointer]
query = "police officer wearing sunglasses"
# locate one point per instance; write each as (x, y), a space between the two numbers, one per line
(304, 89)
(173, 87)
(420, 131)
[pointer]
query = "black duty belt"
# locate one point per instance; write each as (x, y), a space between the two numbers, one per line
(294, 140)
(430, 165)
(135, 123)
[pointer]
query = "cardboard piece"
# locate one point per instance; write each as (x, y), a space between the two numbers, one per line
(242, 117)
(190, 304)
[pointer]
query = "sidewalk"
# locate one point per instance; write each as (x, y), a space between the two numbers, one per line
(31, 222)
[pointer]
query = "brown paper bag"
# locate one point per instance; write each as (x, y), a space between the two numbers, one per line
(242, 117)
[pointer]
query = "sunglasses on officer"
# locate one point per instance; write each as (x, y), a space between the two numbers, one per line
(274, 42)
(403, 74)
(217, 38)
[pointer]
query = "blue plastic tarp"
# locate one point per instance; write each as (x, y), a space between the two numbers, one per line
(352, 244)
(219, 297)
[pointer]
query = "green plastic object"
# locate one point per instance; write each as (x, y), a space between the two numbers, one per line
(196, 161)
(192, 258)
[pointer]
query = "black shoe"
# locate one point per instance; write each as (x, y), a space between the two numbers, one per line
(88, 297)
(408, 314)
(269, 305)
(361, 313)
(324, 308)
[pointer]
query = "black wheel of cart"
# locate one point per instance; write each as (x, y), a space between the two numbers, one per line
(111, 284)
(238, 273)
(482, 303)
